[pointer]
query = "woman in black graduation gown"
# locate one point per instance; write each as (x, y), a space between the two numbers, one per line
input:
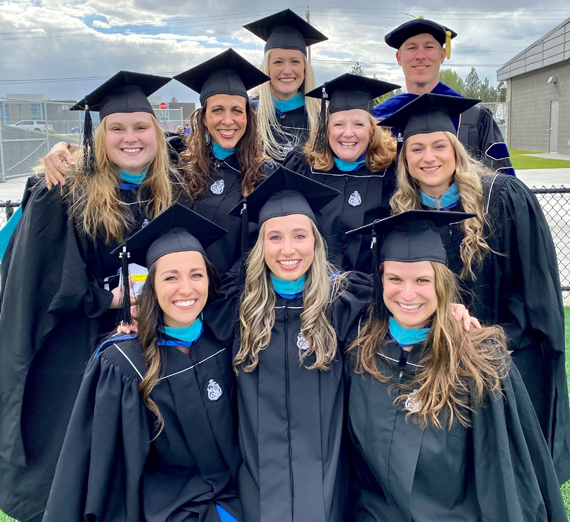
(59, 280)
(224, 159)
(294, 315)
(285, 117)
(152, 434)
(505, 257)
(441, 425)
(351, 154)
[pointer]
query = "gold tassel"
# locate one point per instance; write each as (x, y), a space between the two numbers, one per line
(448, 44)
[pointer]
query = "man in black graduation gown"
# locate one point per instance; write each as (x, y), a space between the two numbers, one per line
(420, 45)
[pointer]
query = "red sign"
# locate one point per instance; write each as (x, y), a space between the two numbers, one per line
(163, 106)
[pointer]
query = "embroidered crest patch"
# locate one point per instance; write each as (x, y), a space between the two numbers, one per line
(218, 187)
(355, 200)
(413, 404)
(302, 343)
(145, 223)
(213, 390)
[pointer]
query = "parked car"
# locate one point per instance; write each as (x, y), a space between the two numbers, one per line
(36, 125)
(75, 130)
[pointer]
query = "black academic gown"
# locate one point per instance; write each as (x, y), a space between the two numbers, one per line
(518, 287)
(291, 419)
(55, 309)
(114, 466)
(364, 197)
(293, 131)
(221, 196)
(497, 470)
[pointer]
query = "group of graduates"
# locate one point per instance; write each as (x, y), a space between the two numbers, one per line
(288, 282)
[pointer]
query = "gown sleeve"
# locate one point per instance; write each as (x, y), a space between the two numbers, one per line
(351, 301)
(297, 162)
(494, 151)
(514, 474)
(105, 450)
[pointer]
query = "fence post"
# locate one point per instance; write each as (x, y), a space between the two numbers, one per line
(47, 127)
(9, 211)
(2, 171)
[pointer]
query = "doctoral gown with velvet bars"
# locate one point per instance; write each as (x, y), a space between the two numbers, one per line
(291, 418)
(115, 466)
(55, 308)
(364, 197)
(518, 287)
(499, 469)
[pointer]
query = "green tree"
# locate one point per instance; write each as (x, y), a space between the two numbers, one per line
(472, 84)
(487, 93)
(452, 80)
(357, 69)
(502, 91)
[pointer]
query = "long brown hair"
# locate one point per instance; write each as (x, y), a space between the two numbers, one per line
(150, 320)
(196, 162)
(407, 197)
(454, 362)
(94, 201)
(381, 152)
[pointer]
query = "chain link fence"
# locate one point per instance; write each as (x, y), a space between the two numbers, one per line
(555, 202)
(30, 128)
(500, 112)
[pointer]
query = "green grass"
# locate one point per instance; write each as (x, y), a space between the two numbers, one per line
(522, 162)
(565, 488)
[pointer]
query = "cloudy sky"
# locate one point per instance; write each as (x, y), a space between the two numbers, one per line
(66, 48)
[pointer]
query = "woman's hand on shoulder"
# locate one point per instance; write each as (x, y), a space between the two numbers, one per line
(461, 314)
(57, 161)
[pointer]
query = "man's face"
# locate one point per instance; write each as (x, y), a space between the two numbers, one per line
(420, 58)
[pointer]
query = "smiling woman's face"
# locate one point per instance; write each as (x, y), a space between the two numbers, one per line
(226, 119)
(181, 287)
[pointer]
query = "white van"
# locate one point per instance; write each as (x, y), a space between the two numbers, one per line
(36, 125)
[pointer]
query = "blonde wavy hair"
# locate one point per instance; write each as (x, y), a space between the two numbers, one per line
(257, 312)
(468, 178)
(268, 124)
(93, 200)
(456, 364)
(381, 152)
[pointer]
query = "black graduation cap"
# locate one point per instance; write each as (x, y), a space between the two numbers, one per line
(177, 229)
(429, 113)
(409, 237)
(283, 193)
(126, 91)
(417, 26)
(351, 91)
(226, 73)
(286, 30)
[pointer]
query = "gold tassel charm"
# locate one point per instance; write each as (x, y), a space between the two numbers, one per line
(448, 44)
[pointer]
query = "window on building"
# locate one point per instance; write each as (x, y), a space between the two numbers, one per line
(36, 110)
(20, 111)
(7, 113)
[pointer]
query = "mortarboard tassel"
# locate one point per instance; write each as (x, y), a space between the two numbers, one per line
(322, 139)
(244, 239)
(88, 166)
(448, 44)
(376, 283)
(125, 314)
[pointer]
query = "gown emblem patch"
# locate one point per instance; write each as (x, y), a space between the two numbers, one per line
(413, 404)
(355, 199)
(302, 343)
(218, 187)
(214, 390)
(145, 223)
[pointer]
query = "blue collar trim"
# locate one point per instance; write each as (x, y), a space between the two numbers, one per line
(447, 201)
(291, 104)
(345, 166)
(186, 336)
(407, 336)
(220, 153)
(289, 289)
(133, 179)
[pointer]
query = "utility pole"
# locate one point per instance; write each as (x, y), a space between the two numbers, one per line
(308, 16)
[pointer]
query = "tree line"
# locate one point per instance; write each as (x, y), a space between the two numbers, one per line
(471, 87)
